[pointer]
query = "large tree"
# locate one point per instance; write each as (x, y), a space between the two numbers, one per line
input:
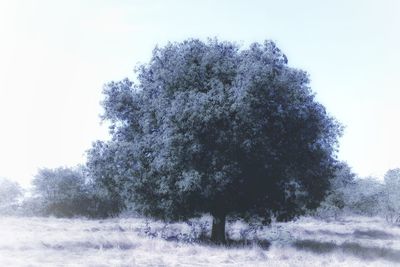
(212, 128)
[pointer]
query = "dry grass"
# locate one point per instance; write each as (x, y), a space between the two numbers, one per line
(354, 241)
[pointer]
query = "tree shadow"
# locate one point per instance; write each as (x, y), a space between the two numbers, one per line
(354, 249)
(375, 234)
(232, 243)
(366, 234)
(235, 243)
(333, 233)
(205, 240)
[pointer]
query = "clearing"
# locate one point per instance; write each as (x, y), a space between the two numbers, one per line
(350, 241)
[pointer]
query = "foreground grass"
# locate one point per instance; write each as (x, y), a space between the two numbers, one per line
(352, 241)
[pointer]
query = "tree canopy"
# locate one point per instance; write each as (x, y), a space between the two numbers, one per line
(210, 127)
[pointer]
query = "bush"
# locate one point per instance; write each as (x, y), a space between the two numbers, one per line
(69, 192)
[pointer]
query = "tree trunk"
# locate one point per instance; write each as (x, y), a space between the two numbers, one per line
(218, 229)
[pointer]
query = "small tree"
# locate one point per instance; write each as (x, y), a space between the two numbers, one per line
(337, 197)
(10, 192)
(213, 128)
(67, 192)
(365, 196)
(392, 193)
(59, 190)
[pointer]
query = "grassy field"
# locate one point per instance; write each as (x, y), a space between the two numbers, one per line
(351, 241)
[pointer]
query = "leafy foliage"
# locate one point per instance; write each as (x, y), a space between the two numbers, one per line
(337, 199)
(68, 192)
(213, 128)
(364, 196)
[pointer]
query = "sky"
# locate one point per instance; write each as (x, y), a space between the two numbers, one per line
(55, 57)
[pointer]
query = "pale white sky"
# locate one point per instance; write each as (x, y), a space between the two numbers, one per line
(55, 57)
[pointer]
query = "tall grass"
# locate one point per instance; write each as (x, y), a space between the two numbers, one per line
(352, 241)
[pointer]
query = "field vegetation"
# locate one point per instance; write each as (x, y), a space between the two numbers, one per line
(349, 241)
(219, 156)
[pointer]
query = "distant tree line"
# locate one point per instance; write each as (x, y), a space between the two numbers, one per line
(366, 196)
(69, 192)
(60, 192)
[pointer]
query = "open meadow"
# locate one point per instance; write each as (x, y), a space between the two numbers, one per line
(351, 241)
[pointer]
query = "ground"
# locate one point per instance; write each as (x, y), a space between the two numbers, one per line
(350, 241)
